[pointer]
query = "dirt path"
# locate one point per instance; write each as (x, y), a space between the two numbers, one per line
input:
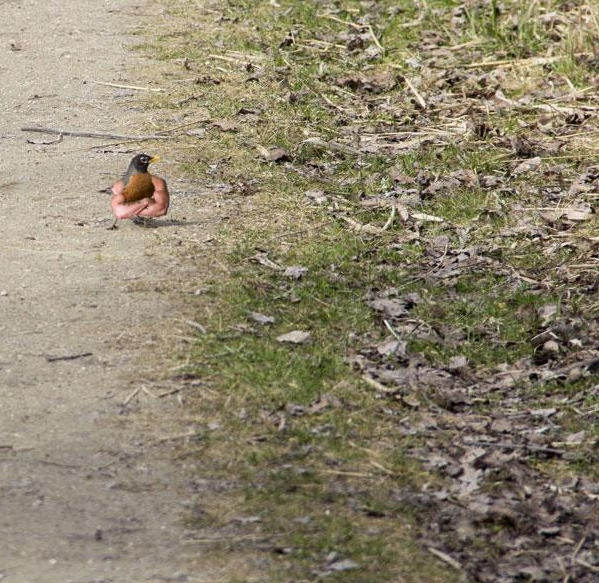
(86, 494)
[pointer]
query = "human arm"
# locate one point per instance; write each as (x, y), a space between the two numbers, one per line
(122, 209)
(159, 202)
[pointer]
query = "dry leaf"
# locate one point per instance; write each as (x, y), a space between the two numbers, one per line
(274, 154)
(295, 337)
(261, 318)
(295, 271)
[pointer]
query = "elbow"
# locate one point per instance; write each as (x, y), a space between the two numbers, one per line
(120, 213)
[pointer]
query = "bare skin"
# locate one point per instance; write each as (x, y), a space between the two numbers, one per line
(155, 206)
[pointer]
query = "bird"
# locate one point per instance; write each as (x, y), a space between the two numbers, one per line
(139, 193)
(137, 179)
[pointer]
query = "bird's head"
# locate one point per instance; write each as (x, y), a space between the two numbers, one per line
(141, 161)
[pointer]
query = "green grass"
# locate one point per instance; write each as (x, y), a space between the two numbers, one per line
(323, 479)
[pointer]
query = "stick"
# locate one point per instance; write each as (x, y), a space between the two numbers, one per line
(126, 401)
(525, 62)
(134, 87)
(376, 40)
(180, 436)
(445, 558)
(67, 357)
(233, 59)
(172, 392)
(148, 392)
(341, 21)
(414, 91)
(332, 146)
(536, 448)
(84, 134)
(226, 539)
(376, 385)
(196, 325)
(390, 219)
(584, 364)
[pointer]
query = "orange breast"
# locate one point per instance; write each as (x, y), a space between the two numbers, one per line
(139, 186)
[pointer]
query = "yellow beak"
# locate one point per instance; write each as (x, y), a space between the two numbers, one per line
(154, 159)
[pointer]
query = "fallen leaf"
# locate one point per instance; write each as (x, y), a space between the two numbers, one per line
(392, 308)
(226, 125)
(262, 259)
(261, 318)
(392, 346)
(527, 166)
(457, 362)
(295, 271)
(295, 337)
(318, 196)
(274, 154)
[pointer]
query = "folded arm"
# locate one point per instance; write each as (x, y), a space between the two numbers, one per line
(122, 209)
(159, 203)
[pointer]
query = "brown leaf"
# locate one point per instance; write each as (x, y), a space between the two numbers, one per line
(274, 154)
(375, 83)
(226, 125)
(295, 271)
(261, 318)
(392, 346)
(390, 308)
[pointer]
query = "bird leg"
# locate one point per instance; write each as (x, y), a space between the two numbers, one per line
(113, 227)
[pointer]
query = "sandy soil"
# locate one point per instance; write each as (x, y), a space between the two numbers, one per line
(88, 492)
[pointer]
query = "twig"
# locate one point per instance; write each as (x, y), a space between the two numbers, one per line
(148, 392)
(86, 134)
(393, 332)
(390, 219)
(445, 558)
(324, 43)
(376, 385)
(590, 567)
(341, 21)
(382, 468)
(530, 62)
(414, 91)
(535, 448)
(233, 59)
(178, 436)
(332, 146)
(128, 399)
(327, 100)
(585, 364)
(134, 87)
(344, 473)
(376, 40)
(226, 539)
(171, 392)
(68, 357)
(196, 325)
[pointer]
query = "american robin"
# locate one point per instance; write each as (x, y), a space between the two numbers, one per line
(139, 193)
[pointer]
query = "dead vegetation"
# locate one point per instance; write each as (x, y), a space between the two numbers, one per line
(405, 342)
